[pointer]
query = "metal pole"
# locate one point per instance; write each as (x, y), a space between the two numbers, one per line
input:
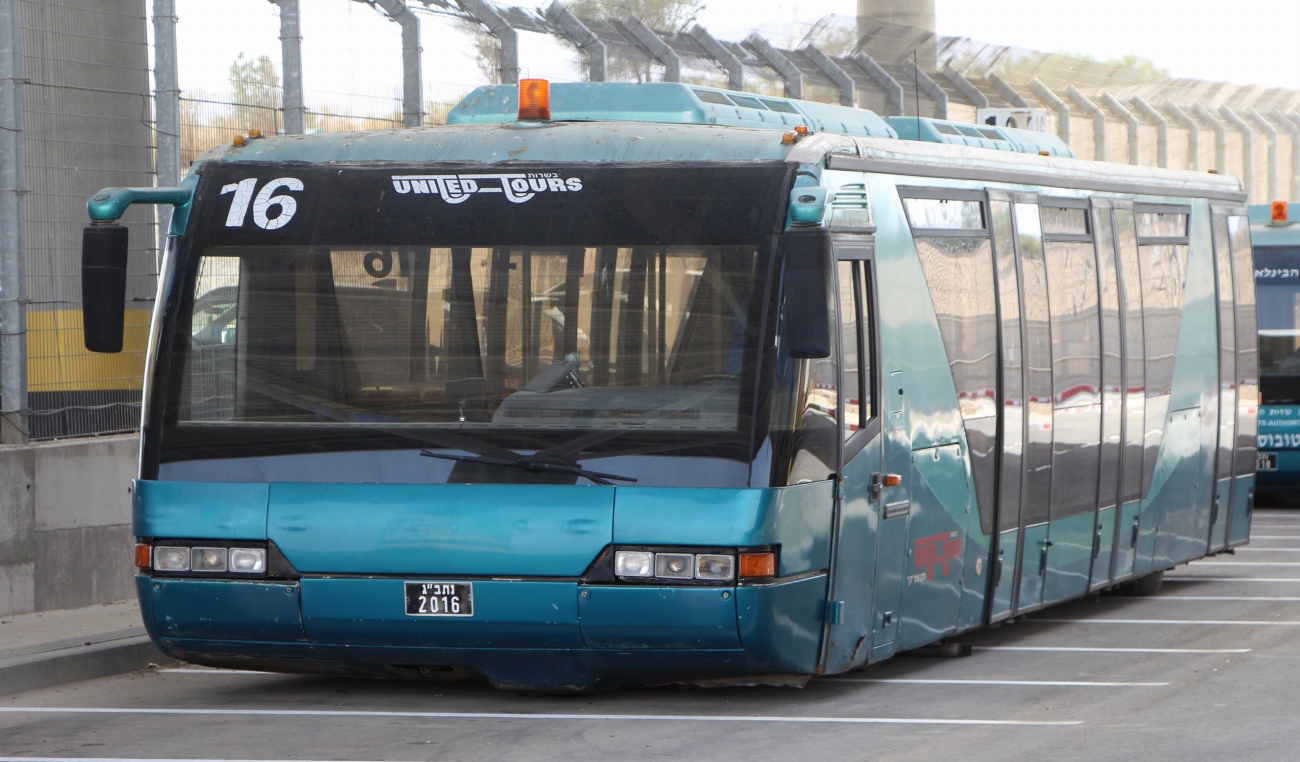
(1134, 147)
(412, 88)
(888, 85)
(721, 56)
(508, 63)
(1193, 134)
(784, 67)
(167, 107)
(1293, 128)
(1220, 137)
(295, 112)
(1061, 108)
(1098, 121)
(1247, 148)
(656, 47)
(1162, 129)
(582, 36)
(1271, 133)
(966, 87)
(13, 221)
(848, 88)
(1008, 93)
(927, 83)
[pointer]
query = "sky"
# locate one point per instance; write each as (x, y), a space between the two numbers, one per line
(351, 48)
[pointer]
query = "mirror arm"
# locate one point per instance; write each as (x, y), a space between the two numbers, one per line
(108, 206)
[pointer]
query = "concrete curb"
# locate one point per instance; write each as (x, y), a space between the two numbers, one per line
(72, 664)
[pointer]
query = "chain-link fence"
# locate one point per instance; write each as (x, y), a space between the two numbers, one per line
(89, 119)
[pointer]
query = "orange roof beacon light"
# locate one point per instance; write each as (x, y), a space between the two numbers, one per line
(534, 100)
(1279, 213)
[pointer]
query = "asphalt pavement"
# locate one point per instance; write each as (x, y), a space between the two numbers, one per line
(1205, 670)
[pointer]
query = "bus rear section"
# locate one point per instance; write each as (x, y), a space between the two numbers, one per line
(1277, 278)
(531, 425)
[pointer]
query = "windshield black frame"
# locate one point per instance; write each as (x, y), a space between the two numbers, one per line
(704, 203)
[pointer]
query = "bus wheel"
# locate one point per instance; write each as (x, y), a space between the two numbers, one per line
(1143, 586)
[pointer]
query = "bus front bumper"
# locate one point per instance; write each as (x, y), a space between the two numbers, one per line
(524, 634)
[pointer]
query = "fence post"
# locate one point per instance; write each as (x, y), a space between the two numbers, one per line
(890, 86)
(1098, 121)
(13, 221)
(1061, 108)
(1220, 137)
(783, 66)
(1193, 134)
(167, 107)
(412, 88)
(722, 56)
(653, 44)
(1131, 122)
(498, 27)
(1008, 93)
(931, 88)
(1162, 128)
(1271, 133)
(295, 111)
(1247, 148)
(966, 87)
(593, 46)
(1293, 128)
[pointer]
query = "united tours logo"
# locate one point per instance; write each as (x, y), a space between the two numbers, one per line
(517, 188)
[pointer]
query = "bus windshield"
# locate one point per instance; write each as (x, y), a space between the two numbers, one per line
(480, 329)
(1277, 278)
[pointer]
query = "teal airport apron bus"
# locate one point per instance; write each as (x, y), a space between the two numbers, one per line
(1276, 239)
(669, 383)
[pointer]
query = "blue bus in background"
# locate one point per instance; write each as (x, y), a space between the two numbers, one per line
(665, 383)
(1277, 279)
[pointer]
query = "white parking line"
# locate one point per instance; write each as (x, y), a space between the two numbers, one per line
(513, 716)
(1246, 563)
(1268, 550)
(1031, 683)
(1100, 649)
(1222, 598)
(1275, 537)
(1231, 579)
(1215, 622)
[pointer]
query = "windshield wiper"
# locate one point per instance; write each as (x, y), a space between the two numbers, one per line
(544, 464)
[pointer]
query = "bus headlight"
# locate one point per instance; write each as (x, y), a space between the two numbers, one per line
(208, 559)
(247, 560)
(674, 565)
(171, 559)
(634, 563)
(714, 567)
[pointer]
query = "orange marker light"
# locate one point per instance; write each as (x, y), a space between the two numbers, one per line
(534, 100)
(143, 556)
(893, 480)
(1279, 211)
(238, 140)
(758, 564)
(802, 130)
(787, 137)
(254, 133)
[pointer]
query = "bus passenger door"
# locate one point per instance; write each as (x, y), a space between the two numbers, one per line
(1227, 398)
(849, 617)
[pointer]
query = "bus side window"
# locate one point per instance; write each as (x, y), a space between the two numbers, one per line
(855, 343)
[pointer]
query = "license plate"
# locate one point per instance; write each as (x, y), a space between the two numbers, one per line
(440, 599)
(1265, 461)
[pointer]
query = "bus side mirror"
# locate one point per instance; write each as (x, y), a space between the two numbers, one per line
(103, 286)
(808, 292)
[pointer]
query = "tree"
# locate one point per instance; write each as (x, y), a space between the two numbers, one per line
(255, 88)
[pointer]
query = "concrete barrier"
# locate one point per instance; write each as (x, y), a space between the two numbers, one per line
(65, 523)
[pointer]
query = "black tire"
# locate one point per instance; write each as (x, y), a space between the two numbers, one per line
(1143, 586)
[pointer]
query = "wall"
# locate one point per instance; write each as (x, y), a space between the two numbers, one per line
(65, 523)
